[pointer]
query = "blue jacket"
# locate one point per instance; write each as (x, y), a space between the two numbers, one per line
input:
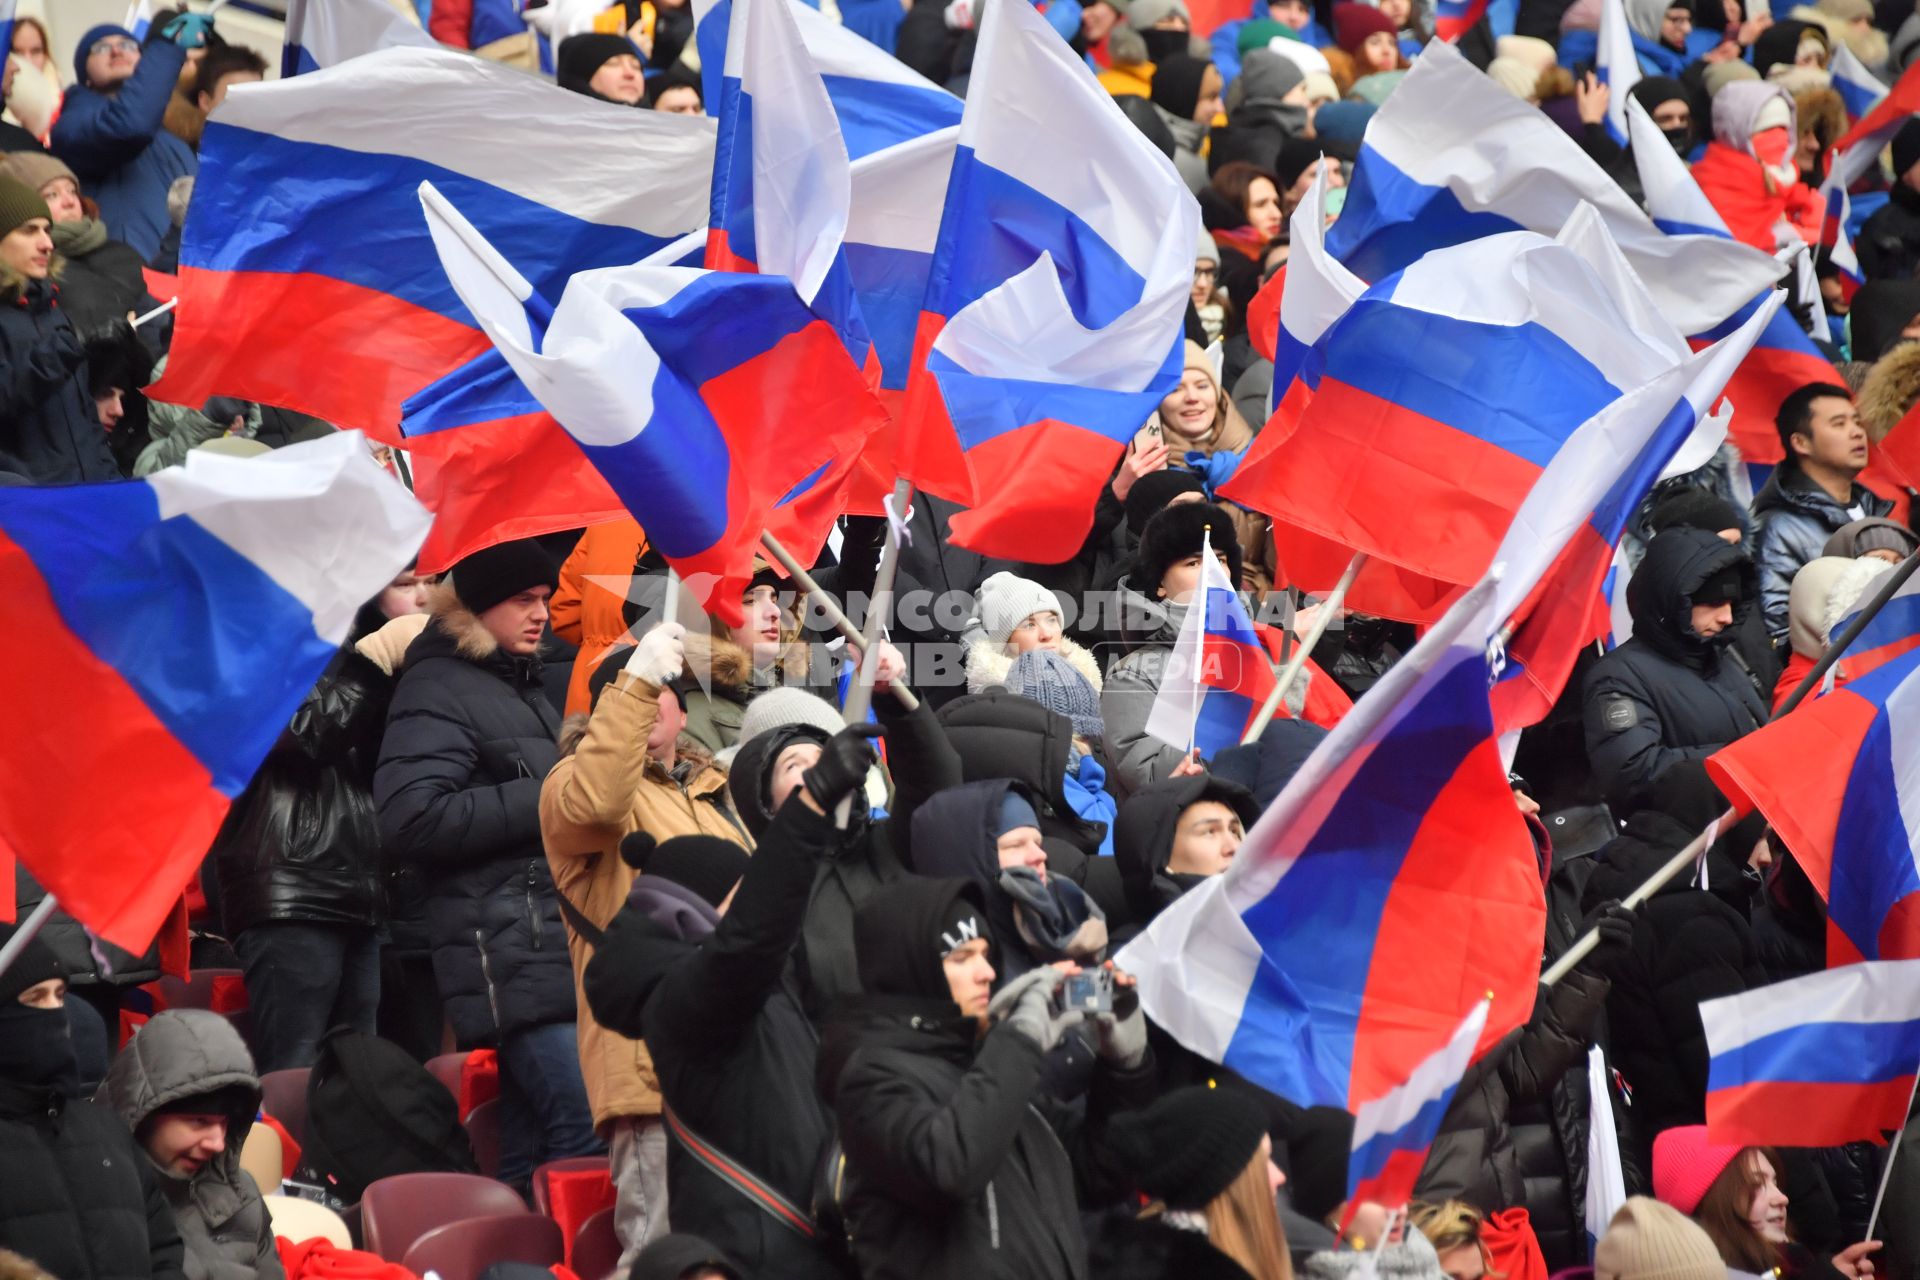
(1086, 792)
(1225, 41)
(1581, 49)
(124, 158)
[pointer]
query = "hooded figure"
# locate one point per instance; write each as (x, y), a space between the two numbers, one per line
(192, 1062)
(1889, 242)
(1879, 316)
(1145, 832)
(76, 1194)
(1181, 85)
(1651, 91)
(1748, 172)
(1673, 693)
(1783, 43)
(1004, 734)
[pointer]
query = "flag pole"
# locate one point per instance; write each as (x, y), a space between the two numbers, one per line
(37, 919)
(860, 697)
(1329, 609)
(1839, 644)
(670, 605)
(829, 607)
(1893, 1153)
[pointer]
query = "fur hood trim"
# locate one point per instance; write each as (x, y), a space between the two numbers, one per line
(726, 663)
(987, 665)
(1892, 385)
(470, 636)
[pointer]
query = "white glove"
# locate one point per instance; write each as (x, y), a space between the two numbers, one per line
(661, 654)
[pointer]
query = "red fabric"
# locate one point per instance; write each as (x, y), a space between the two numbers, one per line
(1885, 480)
(229, 994)
(1512, 1250)
(1263, 315)
(1327, 702)
(575, 1195)
(160, 284)
(1898, 453)
(1737, 188)
(130, 1022)
(449, 22)
(289, 1149)
(321, 1259)
(479, 1080)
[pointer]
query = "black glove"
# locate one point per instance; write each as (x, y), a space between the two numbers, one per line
(842, 767)
(1615, 924)
(103, 334)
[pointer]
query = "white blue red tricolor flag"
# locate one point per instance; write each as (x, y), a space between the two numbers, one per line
(1392, 1133)
(324, 33)
(1218, 675)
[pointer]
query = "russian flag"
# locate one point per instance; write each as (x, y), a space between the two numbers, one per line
(139, 18)
(177, 622)
(321, 33)
(1452, 157)
(1617, 66)
(1817, 1061)
(880, 100)
(1454, 18)
(1606, 1181)
(1839, 779)
(1392, 1133)
(1858, 87)
(1218, 676)
(1894, 630)
(1053, 318)
(683, 387)
(1858, 150)
(1835, 240)
(306, 250)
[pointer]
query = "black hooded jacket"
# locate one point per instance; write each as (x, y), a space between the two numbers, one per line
(958, 1166)
(1666, 695)
(732, 1046)
(50, 431)
(1889, 248)
(1143, 838)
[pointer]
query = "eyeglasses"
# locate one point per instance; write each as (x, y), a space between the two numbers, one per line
(114, 44)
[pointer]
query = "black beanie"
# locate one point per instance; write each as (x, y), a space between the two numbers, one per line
(502, 572)
(33, 966)
(1906, 148)
(900, 934)
(1722, 588)
(750, 779)
(580, 57)
(1176, 533)
(229, 1100)
(671, 1256)
(1695, 508)
(707, 865)
(1152, 492)
(1190, 1145)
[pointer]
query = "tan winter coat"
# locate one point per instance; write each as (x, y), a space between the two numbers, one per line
(600, 792)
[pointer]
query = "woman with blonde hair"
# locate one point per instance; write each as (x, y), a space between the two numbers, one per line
(1453, 1229)
(1204, 433)
(1203, 1156)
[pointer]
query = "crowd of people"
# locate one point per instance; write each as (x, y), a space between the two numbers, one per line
(816, 991)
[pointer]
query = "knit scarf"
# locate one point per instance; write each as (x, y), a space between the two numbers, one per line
(1056, 919)
(79, 238)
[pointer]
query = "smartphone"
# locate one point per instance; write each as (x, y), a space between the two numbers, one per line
(1149, 436)
(1091, 991)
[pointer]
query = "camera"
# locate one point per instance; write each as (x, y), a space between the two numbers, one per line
(1091, 991)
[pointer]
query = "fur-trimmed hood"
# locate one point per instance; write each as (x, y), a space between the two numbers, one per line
(1892, 386)
(988, 664)
(471, 639)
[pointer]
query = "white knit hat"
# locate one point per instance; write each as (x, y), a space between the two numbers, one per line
(1004, 601)
(1648, 1240)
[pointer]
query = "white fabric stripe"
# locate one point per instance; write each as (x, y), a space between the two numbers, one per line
(898, 193)
(1616, 56)
(1606, 1184)
(1195, 964)
(1182, 690)
(331, 31)
(1672, 194)
(320, 518)
(1847, 66)
(597, 161)
(1903, 731)
(1318, 289)
(1871, 991)
(840, 52)
(1433, 1077)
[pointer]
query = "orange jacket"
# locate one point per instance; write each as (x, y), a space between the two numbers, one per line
(586, 614)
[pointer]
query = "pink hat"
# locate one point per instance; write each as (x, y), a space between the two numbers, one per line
(1685, 1164)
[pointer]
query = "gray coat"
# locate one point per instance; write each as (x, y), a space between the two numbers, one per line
(181, 1053)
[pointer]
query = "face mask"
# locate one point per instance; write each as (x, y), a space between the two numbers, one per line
(1680, 139)
(1772, 146)
(1162, 45)
(1336, 201)
(36, 1049)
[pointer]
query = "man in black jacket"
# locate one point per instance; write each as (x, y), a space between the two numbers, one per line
(1889, 243)
(1678, 689)
(470, 734)
(706, 982)
(76, 1195)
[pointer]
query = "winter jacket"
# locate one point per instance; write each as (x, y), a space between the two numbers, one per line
(1005, 735)
(598, 793)
(716, 694)
(469, 737)
(1793, 518)
(585, 613)
(988, 665)
(77, 949)
(733, 1048)
(1134, 1248)
(303, 840)
(1736, 185)
(49, 430)
(115, 145)
(1667, 696)
(1688, 946)
(223, 1222)
(1889, 243)
(103, 284)
(77, 1195)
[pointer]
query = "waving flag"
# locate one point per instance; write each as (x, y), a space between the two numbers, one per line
(1392, 1133)
(343, 276)
(1218, 675)
(139, 18)
(1817, 1061)
(879, 99)
(1452, 157)
(702, 397)
(1859, 148)
(1840, 781)
(1617, 66)
(1454, 18)
(1894, 630)
(178, 621)
(1053, 318)
(1835, 240)
(321, 33)
(1606, 1182)
(1858, 87)
(892, 232)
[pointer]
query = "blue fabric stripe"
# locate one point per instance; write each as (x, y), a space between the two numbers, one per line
(1520, 388)
(1676, 228)
(1898, 619)
(358, 220)
(484, 389)
(1821, 1053)
(731, 208)
(1389, 220)
(1416, 1135)
(891, 285)
(217, 650)
(720, 321)
(1858, 98)
(1222, 721)
(877, 114)
(673, 475)
(984, 409)
(1226, 618)
(1611, 514)
(1319, 925)
(1873, 865)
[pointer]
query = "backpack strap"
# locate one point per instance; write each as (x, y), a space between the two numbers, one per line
(723, 1167)
(586, 928)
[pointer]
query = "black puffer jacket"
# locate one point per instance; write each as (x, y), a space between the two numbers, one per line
(1005, 735)
(303, 840)
(77, 1196)
(732, 1046)
(1666, 695)
(1689, 945)
(70, 942)
(470, 735)
(1131, 1248)
(49, 430)
(1889, 243)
